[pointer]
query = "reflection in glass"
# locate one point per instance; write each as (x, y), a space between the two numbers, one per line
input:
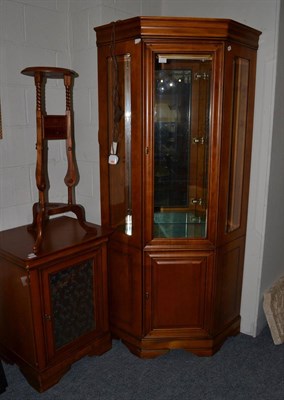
(181, 139)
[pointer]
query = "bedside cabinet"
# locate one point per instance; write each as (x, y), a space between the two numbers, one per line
(53, 305)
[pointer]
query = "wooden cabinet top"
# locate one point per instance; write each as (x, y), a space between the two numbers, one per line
(62, 234)
(177, 28)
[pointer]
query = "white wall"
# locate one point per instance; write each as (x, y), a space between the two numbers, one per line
(52, 33)
(60, 33)
(84, 16)
(273, 254)
(33, 32)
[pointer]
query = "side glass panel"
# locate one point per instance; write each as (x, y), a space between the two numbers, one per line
(119, 133)
(181, 141)
(238, 135)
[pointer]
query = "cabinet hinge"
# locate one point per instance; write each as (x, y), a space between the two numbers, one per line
(197, 202)
(147, 295)
(198, 140)
(201, 75)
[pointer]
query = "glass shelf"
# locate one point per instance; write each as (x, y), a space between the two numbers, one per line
(179, 225)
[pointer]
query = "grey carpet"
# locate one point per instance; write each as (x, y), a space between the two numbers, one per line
(245, 368)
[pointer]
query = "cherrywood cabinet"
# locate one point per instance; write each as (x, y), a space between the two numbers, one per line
(176, 98)
(54, 306)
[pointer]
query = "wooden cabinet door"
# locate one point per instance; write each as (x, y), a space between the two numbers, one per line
(73, 302)
(178, 293)
(125, 289)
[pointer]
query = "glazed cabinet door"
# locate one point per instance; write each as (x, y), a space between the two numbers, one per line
(182, 139)
(239, 86)
(178, 294)
(74, 298)
(119, 69)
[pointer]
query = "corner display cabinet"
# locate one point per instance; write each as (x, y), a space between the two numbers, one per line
(176, 99)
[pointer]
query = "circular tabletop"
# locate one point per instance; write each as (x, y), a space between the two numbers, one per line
(49, 72)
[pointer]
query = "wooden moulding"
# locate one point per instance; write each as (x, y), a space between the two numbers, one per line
(178, 28)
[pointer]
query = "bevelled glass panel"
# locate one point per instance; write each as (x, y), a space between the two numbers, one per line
(119, 134)
(238, 136)
(181, 141)
(72, 301)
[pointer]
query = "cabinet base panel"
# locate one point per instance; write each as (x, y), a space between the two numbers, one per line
(151, 347)
(43, 379)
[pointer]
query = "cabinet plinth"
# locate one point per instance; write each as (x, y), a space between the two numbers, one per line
(176, 98)
(54, 305)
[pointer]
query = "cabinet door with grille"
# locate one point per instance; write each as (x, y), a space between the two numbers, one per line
(73, 309)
